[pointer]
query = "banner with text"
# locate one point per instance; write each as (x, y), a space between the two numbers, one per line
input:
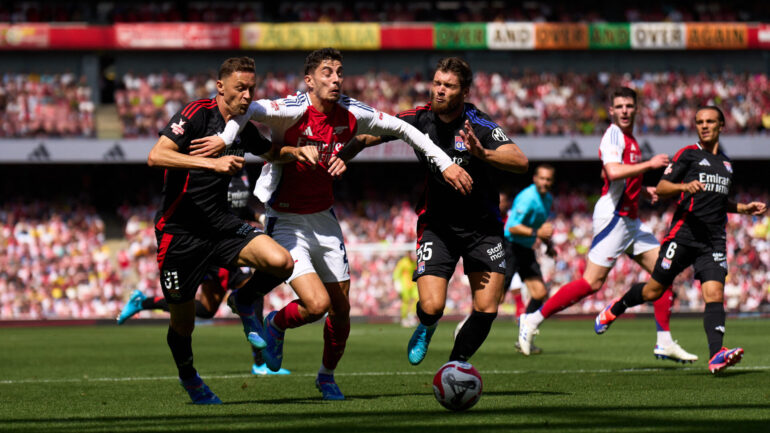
(609, 36)
(24, 36)
(309, 36)
(658, 36)
(175, 36)
(511, 36)
(561, 36)
(717, 36)
(470, 36)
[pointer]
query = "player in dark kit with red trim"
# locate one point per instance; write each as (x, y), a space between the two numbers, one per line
(452, 222)
(195, 228)
(702, 176)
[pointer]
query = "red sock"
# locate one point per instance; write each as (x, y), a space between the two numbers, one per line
(288, 317)
(335, 337)
(520, 307)
(663, 310)
(567, 295)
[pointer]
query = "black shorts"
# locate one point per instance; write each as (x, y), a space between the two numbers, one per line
(184, 259)
(227, 278)
(709, 263)
(440, 248)
(522, 260)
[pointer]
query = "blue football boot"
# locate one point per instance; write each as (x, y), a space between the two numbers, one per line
(198, 391)
(328, 387)
(133, 306)
(251, 326)
(418, 344)
(273, 352)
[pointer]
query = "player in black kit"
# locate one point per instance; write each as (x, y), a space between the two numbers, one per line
(458, 222)
(702, 175)
(217, 281)
(195, 228)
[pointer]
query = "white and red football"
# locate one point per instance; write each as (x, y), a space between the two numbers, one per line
(457, 385)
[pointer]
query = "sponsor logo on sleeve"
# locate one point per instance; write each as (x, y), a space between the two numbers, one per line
(499, 135)
(178, 128)
(728, 166)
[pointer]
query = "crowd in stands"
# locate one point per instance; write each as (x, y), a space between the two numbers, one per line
(522, 102)
(103, 12)
(44, 105)
(54, 262)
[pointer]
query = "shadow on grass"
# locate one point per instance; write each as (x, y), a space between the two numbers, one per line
(663, 418)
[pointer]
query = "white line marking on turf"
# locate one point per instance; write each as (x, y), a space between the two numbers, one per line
(374, 373)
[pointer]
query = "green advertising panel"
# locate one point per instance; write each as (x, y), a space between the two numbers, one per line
(609, 36)
(461, 36)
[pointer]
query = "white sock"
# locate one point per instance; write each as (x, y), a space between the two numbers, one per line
(664, 338)
(535, 318)
(324, 370)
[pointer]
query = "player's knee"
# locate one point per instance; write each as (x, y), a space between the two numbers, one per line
(279, 262)
(316, 308)
(432, 305)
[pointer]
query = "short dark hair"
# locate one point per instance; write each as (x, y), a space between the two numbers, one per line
(622, 92)
(237, 64)
(459, 67)
(316, 57)
(545, 166)
(715, 108)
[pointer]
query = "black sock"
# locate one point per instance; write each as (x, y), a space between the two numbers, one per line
(203, 312)
(257, 354)
(258, 285)
(427, 319)
(534, 305)
(259, 305)
(181, 350)
(632, 298)
(472, 335)
(155, 303)
(714, 325)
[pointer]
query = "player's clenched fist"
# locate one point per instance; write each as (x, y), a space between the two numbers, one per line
(229, 164)
(693, 186)
(458, 178)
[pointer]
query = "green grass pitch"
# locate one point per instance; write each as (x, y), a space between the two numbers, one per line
(122, 379)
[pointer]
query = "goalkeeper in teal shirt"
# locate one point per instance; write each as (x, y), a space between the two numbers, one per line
(527, 221)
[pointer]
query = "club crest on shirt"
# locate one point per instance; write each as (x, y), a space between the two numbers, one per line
(665, 264)
(421, 267)
(178, 128)
(728, 166)
(459, 143)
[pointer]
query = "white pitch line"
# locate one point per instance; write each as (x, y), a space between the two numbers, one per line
(372, 373)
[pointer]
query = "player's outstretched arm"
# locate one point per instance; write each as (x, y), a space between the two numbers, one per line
(166, 154)
(358, 144)
(617, 171)
(752, 208)
(507, 157)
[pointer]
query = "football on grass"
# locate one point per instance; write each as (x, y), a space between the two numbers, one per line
(457, 385)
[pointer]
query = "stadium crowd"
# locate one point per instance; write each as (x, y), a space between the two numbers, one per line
(44, 105)
(523, 102)
(55, 263)
(103, 12)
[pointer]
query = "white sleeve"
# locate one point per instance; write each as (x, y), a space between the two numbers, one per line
(375, 122)
(275, 114)
(612, 146)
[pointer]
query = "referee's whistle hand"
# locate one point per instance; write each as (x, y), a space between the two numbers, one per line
(458, 178)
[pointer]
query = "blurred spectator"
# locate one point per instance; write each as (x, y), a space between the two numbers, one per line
(522, 102)
(54, 262)
(33, 105)
(95, 11)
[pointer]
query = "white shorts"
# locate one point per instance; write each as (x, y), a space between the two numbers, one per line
(615, 235)
(315, 243)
